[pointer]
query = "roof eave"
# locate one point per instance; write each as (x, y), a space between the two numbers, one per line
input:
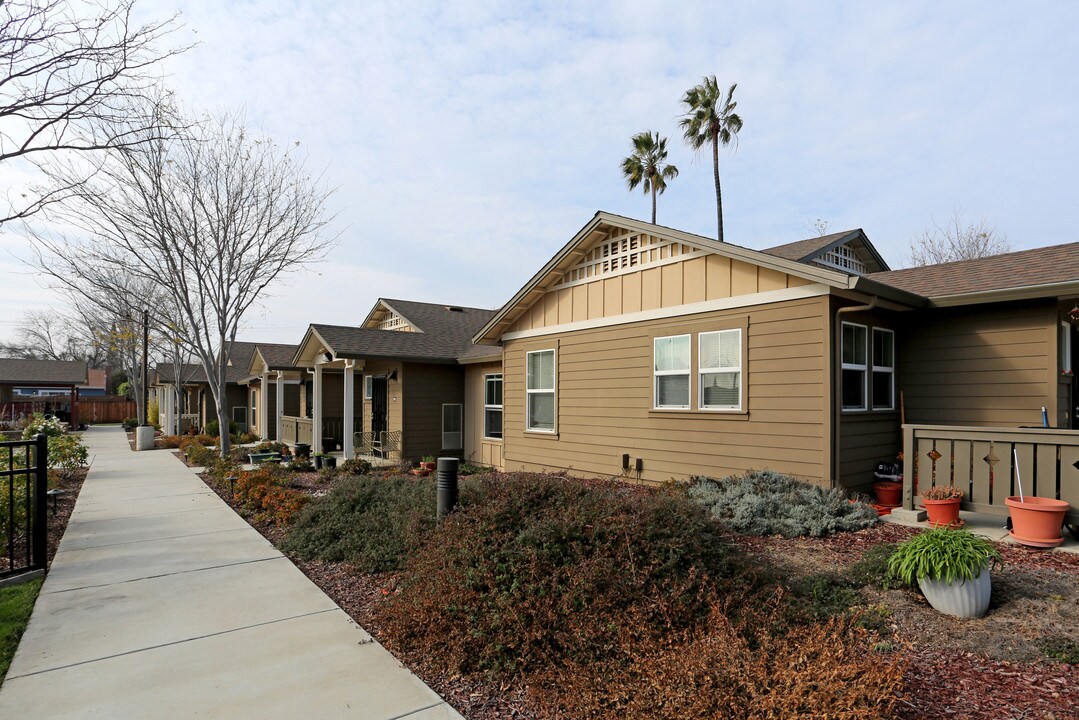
(887, 292)
(1027, 292)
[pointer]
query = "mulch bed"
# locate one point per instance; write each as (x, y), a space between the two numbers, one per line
(958, 669)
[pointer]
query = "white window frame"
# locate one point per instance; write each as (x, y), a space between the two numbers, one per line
(890, 370)
(493, 377)
(368, 386)
(855, 366)
(701, 371)
(553, 392)
(252, 421)
(449, 442)
(242, 419)
(688, 372)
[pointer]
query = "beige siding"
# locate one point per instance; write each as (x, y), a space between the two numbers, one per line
(426, 389)
(991, 365)
(478, 449)
(697, 279)
(604, 386)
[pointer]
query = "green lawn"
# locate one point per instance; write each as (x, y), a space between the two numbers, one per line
(16, 603)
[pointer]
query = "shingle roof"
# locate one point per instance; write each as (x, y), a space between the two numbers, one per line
(277, 355)
(802, 249)
(481, 351)
(42, 372)
(240, 361)
(446, 333)
(1040, 266)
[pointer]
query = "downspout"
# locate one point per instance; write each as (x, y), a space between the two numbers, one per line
(837, 380)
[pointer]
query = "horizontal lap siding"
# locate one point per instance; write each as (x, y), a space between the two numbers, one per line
(981, 365)
(605, 396)
(477, 449)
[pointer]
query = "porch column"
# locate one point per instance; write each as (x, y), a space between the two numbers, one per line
(316, 406)
(280, 387)
(264, 406)
(346, 441)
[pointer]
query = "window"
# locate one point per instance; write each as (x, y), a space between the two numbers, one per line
(854, 366)
(452, 424)
(671, 368)
(368, 386)
(492, 406)
(539, 390)
(719, 364)
(883, 369)
(239, 416)
(254, 408)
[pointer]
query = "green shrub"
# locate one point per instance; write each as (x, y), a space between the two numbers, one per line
(872, 568)
(942, 554)
(535, 571)
(763, 502)
(130, 424)
(67, 454)
(271, 446)
(246, 437)
(199, 455)
(38, 423)
(823, 595)
(370, 522)
(153, 413)
(1063, 649)
(354, 467)
(213, 428)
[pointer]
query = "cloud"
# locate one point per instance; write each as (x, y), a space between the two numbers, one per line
(469, 141)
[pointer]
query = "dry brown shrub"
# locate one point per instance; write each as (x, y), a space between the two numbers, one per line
(723, 670)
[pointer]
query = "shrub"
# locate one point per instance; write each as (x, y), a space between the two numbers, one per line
(171, 442)
(872, 568)
(822, 595)
(199, 455)
(370, 522)
(1063, 649)
(247, 437)
(354, 467)
(130, 424)
(265, 492)
(213, 428)
(301, 465)
(189, 440)
(942, 554)
(942, 492)
(38, 423)
(763, 502)
(271, 446)
(726, 670)
(539, 571)
(67, 454)
(153, 413)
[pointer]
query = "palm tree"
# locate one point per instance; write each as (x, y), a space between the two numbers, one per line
(710, 119)
(648, 166)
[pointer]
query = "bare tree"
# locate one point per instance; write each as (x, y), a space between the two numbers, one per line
(73, 77)
(819, 226)
(956, 240)
(214, 217)
(54, 335)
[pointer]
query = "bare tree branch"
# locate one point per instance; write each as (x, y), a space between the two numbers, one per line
(956, 240)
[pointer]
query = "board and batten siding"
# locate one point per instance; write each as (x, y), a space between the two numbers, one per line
(990, 365)
(478, 449)
(604, 387)
(425, 389)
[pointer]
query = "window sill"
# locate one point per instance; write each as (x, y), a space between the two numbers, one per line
(542, 434)
(698, 414)
(491, 440)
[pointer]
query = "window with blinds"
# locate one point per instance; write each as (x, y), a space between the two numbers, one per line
(671, 372)
(719, 365)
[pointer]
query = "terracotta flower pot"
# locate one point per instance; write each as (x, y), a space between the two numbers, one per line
(943, 513)
(1036, 521)
(888, 493)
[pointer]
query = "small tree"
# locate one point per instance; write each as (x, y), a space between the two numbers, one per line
(648, 166)
(956, 240)
(72, 77)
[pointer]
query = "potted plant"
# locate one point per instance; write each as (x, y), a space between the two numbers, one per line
(317, 457)
(951, 567)
(942, 505)
(329, 461)
(428, 463)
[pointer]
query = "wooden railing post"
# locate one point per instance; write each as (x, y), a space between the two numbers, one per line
(908, 467)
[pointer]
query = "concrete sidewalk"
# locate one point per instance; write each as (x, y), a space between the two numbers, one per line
(163, 603)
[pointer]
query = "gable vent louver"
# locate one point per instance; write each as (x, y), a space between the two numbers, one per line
(628, 253)
(842, 258)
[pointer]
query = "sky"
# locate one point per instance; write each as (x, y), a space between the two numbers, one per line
(466, 142)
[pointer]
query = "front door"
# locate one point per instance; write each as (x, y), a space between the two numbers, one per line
(378, 405)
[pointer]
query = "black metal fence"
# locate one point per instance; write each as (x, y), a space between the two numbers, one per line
(24, 482)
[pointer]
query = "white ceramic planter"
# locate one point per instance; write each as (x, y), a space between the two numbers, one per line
(965, 599)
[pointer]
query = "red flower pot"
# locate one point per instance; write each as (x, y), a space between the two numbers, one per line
(888, 493)
(943, 513)
(1036, 521)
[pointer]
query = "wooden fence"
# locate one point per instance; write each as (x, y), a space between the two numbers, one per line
(92, 409)
(980, 461)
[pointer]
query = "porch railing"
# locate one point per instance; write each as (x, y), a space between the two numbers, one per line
(24, 480)
(979, 460)
(295, 430)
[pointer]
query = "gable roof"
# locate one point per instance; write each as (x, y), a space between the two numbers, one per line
(276, 356)
(597, 228)
(1028, 273)
(810, 249)
(42, 372)
(444, 332)
(236, 371)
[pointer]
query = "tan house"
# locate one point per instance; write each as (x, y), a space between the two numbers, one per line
(645, 351)
(197, 405)
(394, 383)
(273, 387)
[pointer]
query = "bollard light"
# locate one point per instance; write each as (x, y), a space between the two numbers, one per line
(446, 474)
(232, 486)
